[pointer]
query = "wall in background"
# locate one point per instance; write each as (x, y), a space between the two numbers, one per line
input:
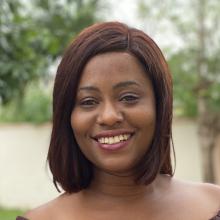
(25, 181)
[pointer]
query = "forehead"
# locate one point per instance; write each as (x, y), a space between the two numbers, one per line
(113, 67)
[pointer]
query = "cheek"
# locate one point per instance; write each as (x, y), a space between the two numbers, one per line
(81, 123)
(142, 117)
(76, 122)
(148, 120)
(79, 127)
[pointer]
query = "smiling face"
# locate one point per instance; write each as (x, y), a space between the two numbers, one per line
(114, 117)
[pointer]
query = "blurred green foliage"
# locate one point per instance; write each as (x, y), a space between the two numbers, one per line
(34, 34)
(9, 214)
(20, 60)
(184, 80)
(195, 64)
(35, 107)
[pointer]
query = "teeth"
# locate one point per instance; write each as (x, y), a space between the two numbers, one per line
(114, 139)
(121, 137)
(125, 136)
(102, 140)
(111, 140)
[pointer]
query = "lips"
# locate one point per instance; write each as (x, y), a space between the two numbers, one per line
(114, 139)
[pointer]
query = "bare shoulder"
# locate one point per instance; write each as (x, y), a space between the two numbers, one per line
(51, 210)
(211, 191)
(202, 197)
(43, 212)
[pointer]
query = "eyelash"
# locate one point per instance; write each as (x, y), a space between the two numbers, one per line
(87, 102)
(91, 102)
(130, 99)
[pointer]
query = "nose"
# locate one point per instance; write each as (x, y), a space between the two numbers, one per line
(109, 115)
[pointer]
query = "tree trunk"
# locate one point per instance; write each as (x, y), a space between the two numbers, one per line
(209, 129)
(206, 130)
(206, 140)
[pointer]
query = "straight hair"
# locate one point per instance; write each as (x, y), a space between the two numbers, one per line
(70, 168)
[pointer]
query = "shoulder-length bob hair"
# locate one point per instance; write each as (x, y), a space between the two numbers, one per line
(69, 167)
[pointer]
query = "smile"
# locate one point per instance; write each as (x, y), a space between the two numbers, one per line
(114, 139)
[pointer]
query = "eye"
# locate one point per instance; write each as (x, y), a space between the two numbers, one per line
(129, 98)
(88, 102)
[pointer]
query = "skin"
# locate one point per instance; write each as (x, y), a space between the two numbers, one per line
(113, 193)
(114, 95)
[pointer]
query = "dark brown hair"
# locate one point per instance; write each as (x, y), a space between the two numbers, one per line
(70, 169)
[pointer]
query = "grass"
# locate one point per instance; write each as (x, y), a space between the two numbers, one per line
(9, 214)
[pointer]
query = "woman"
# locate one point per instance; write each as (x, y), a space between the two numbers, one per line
(111, 139)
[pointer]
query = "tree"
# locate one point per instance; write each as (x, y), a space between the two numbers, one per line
(20, 61)
(209, 119)
(195, 66)
(34, 35)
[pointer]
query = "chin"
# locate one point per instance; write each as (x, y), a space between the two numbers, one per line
(117, 167)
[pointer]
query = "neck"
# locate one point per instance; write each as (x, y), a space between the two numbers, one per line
(119, 187)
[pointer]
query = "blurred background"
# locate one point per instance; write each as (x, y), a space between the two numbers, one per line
(33, 36)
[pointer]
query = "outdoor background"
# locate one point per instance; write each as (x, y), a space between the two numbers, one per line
(33, 36)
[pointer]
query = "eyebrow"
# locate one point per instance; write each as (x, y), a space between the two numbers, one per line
(117, 86)
(88, 88)
(125, 84)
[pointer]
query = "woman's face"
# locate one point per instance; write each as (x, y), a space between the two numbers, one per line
(114, 117)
